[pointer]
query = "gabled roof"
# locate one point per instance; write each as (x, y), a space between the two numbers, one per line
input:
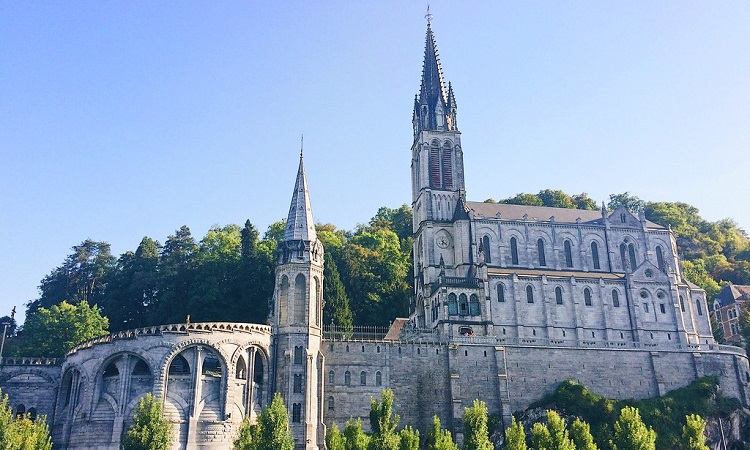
(300, 225)
(538, 213)
(732, 293)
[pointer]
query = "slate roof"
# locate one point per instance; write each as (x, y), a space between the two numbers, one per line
(300, 225)
(433, 83)
(730, 294)
(539, 213)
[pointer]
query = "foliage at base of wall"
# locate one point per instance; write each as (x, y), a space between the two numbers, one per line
(665, 414)
(20, 432)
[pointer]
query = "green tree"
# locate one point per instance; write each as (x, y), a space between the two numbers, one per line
(553, 435)
(580, 433)
(334, 439)
(556, 199)
(631, 202)
(695, 271)
(383, 423)
(409, 438)
(247, 437)
(476, 433)
(273, 427)
(22, 433)
(718, 330)
(177, 270)
(693, 433)
(439, 439)
(51, 332)
(523, 199)
(583, 201)
(356, 438)
(336, 310)
(631, 433)
(150, 430)
(255, 277)
(515, 436)
(80, 277)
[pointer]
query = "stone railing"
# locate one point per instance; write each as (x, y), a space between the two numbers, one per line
(28, 361)
(181, 328)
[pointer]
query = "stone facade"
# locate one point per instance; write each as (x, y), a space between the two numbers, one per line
(509, 301)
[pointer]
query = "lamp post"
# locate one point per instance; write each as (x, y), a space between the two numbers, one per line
(5, 331)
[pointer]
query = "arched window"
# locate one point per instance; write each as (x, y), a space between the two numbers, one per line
(363, 378)
(111, 371)
(474, 305)
(540, 251)
(631, 253)
(179, 366)
(331, 377)
(500, 293)
(463, 305)
(682, 304)
(447, 166)
(20, 411)
(378, 378)
(452, 304)
(615, 298)
(300, 296)
(435, 164)
(297, 412)
(595, 255)
(623, 251)
(298, 354)
(486, 248)
(316, 293)
(347, 378)
(330, 403)
(211, 366)
(32, 414)
(568, 254)
(240, 369)
(441, 165)
(660, 259)
(284, 299)
(558, 295)
(529, 294)
(514, 251)
(587, 296)
(698, 307)
(297, 383)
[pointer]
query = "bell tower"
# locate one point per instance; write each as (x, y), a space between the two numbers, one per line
(296, 317)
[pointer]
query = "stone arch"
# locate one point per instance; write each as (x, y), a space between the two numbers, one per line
(300, 299)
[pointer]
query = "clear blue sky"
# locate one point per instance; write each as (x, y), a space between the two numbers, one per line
(125, 119)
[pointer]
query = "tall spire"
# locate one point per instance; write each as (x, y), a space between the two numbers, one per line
(300, 225)
(434, 108)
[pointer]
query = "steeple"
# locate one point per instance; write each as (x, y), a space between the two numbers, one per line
(434, 108)
(300, 225)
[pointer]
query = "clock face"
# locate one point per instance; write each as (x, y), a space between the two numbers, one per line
(443, 241)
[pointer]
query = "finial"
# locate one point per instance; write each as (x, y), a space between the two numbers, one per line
(428, 16)
(301, 145)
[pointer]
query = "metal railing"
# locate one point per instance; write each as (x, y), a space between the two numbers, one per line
(28, 361)
(354, 333)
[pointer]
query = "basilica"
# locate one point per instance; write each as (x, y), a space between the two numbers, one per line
(509, 301)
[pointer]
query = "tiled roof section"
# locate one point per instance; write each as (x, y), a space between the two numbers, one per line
(433, 84)
(394, 332)
(300, 225)
(539, 213)
(730, 294)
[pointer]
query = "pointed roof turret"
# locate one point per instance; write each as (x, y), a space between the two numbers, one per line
(300, 225)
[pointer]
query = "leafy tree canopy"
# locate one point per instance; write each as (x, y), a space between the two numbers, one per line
(150, 430)
(51, 332)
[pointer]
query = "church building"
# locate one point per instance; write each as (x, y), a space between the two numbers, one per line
(509, 301)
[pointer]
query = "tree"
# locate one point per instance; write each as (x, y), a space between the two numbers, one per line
(22, 433)
(383, 423)
(51, 332)
(255, 276)
(150, 430)
(177, 264)
(583, 201)
(556, 199)
(409, 438)
(336, 310)
(273, 427)
(247, 437)
(553, 436)
(631, 433)
(476, 433)
(515, 436)
(79, 278)
(356, 439)
(523, 199)
(718, 330)
(693, 437)
(630, 202)
(334, 439)
(580, 433)
(439, 439)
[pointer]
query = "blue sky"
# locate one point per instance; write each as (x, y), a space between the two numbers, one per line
(120, 120)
